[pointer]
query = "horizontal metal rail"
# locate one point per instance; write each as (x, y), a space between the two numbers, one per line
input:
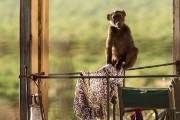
(135, 76)
(153, 66)
(70, 73)
(73, 74)
(135, 68)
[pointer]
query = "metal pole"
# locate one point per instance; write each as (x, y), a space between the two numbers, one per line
(158, 65)
(135, 76)
(71, 73)
(107, 78)
(135, 68)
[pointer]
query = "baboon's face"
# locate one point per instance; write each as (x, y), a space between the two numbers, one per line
(116, 18)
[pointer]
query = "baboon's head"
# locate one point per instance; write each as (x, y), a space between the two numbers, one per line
(116, 18)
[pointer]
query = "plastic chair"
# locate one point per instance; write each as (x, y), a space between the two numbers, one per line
(146, 98)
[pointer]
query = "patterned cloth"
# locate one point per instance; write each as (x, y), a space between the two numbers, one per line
(91, 93)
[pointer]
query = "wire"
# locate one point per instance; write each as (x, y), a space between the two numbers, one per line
(134, 76)
(135, 68)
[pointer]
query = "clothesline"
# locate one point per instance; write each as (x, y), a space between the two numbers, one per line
(135, 68)
(133, 76)
(70, 74)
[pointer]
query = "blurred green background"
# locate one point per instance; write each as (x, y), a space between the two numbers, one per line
(77, 34)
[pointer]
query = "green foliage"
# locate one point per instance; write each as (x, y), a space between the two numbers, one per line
(9, 29)
(9, 59)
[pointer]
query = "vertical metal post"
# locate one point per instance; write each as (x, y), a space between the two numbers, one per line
(107, 98)
(113, 100)
(25, 56)
(176, 50)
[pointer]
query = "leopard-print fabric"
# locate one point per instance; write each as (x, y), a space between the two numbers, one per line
(91, 93)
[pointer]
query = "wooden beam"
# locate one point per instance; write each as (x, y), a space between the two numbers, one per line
(34, 45)
(44, 52)
(25, 42)
(39, 52)
(176, 50)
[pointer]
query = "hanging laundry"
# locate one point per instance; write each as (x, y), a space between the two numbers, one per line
(91, 93)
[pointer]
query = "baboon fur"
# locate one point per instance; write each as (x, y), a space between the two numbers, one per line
(120, 49)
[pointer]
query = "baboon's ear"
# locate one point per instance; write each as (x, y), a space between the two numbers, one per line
(108, 16)
(124, 13)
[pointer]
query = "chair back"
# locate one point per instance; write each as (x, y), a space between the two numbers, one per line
(152, 98)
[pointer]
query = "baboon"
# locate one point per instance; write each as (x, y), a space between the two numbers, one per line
(120, 49)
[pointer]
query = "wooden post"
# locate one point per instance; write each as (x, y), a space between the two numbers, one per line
(43, 38)
(33, 51)
(34, 44)
(39, 61)
(176, 50)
